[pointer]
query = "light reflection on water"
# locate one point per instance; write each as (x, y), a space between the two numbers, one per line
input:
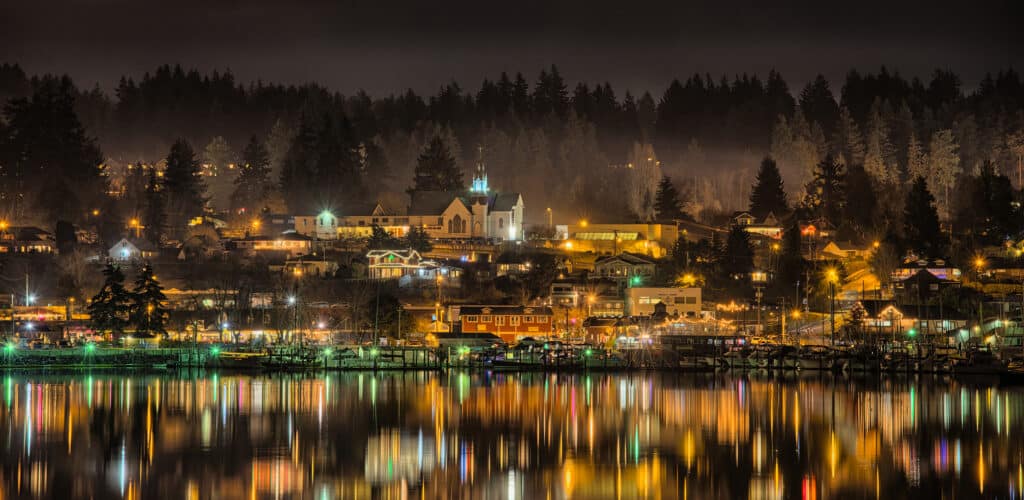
(361, 435)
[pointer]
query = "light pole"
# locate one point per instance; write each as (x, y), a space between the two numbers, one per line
(832, 276)
(979, 265)
(551, 224)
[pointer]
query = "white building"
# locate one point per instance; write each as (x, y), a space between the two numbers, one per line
(133, 249)
(640, 301)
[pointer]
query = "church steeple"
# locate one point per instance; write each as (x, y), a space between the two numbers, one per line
(480, 176)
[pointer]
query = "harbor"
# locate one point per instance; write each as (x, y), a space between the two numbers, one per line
(679, 353)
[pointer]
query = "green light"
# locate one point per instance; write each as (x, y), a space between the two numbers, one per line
(9, 348)
(912, 332)
(463, 351)
(215, 351)
(588, 352)
(328, 352)
(635, 280)
(373, 352)
(90, 347)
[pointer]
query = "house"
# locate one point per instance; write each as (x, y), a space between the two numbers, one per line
(606, 306)
(508, 322)
(641, 301)
(768, 227)
(132, 249)
(845, 250)
(26, 239)
(941, 268)
(409, 268)
(512, 264)
(624, 266)
(291, 244)
(567, 293)
(313, 267)
(921, 286)
(890, 320)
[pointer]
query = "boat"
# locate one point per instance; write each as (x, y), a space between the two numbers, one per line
(814, 358)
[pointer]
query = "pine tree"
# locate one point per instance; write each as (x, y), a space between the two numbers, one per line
(666, 202)
(253, 182)
(183, 185)
(738, 256)
(825, 193)
(768, 194)
(917, 163)
(417, 239)
(436, 169)
(148, 310)
(944, 163)
(154, 218)
(848, 144)
(108, 309)
(921, 230)
(380, 240)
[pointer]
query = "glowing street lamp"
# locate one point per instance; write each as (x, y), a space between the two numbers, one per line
(832, 276)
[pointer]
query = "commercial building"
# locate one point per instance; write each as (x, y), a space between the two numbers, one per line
(685, 302)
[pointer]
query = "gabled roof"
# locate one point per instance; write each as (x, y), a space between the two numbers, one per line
(628, 258)
(403, 254)
(504, 202)
(473, 310)
(432, 202)
(140, 244)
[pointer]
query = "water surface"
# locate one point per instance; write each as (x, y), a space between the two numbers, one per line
(480, 435)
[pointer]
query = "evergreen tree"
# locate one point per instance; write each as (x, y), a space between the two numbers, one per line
(986, 208)
(917, 163)
(50, 166)
(298, 167)
(825, 193)
(860, 206)
(253, 182)
(737, 259)
(819, 105)
(768, 194)
(183, 185)
(417, 239)
(154, 218)
(666, 202)
(380, 240)
(944, 164)
(108, 309)
(848, 144)
(148, 310)
(921, 230)
(436, 169)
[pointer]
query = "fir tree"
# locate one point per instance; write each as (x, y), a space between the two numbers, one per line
(253, 182)
(436, 169)
(380, 240)
(738, 256)
(108, 309)
(768, 194)
(417, 239)
(183, 185)
(148, 310)
(921, 230)
(666, 201)
(825, 193)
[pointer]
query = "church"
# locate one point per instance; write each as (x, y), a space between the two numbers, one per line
(477, 213)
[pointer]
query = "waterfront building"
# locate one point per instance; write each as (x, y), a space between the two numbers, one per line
(508, 322)
(623, 267)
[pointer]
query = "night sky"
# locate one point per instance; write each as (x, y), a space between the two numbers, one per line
(385, 46)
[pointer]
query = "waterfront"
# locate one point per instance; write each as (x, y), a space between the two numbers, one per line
(528, 435)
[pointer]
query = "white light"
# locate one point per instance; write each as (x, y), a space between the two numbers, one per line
(320, 325)
(291, 300)
(29, 325)
(31, 299)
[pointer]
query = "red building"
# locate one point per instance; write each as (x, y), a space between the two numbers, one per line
(508, 322)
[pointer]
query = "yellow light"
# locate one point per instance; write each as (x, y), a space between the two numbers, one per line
(568, 245)
(583, 222)
(591, 299)
(831, 275)
(3, 225)
(979, 262)
(775, 247)
(256, 224)
(796, 314)
(876, 244)
(134, 222)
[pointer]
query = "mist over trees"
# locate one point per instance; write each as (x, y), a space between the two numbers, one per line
(583, 148)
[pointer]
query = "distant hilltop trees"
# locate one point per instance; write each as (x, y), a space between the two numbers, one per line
(584, 149)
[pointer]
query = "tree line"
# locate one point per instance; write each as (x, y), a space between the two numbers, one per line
(585, 149)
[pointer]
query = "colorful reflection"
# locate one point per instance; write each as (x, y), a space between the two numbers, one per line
(489, 435)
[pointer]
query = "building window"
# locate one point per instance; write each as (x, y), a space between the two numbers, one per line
(542, 319)
(528, 319)
(471, 319)
(485, 319)
(499, 320)
(513, 320)
(501, 223)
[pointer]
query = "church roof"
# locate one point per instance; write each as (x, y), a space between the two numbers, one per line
(431, 202)
(503, 202)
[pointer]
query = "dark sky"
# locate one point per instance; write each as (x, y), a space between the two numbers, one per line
(387, 45)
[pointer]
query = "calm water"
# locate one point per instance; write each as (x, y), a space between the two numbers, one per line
(496, 436)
